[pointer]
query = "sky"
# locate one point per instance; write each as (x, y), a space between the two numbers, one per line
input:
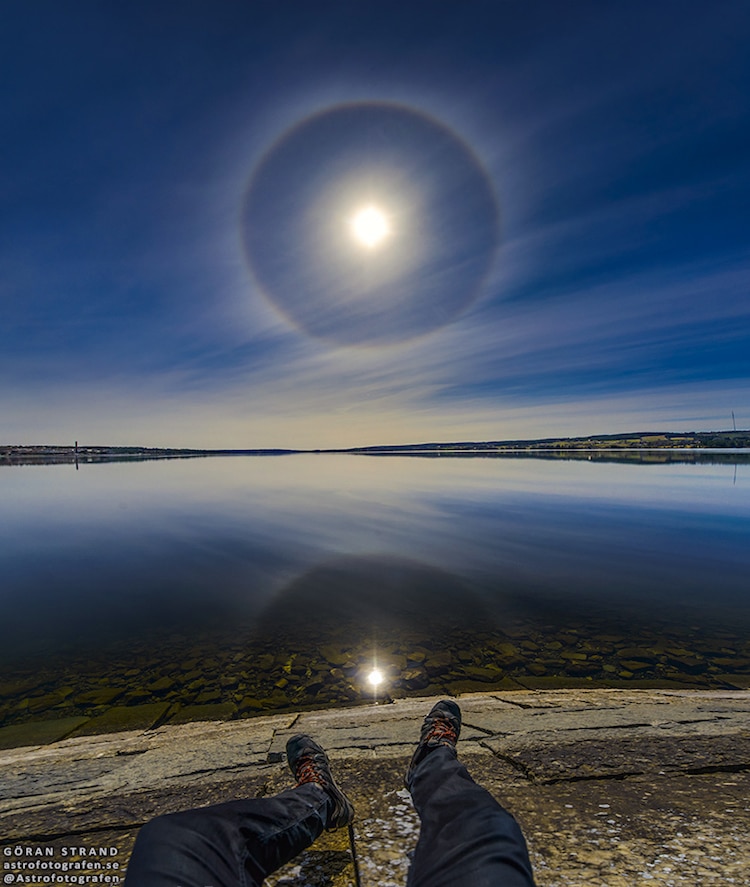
(563, 188)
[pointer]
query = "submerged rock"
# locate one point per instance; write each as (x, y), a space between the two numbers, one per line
(335, 655)
(415, 678)
(484, 674)
(38, 732)
(635, 664)
(125, 717)
(438, 662)
(252, 703)
(104, 696)
(49, 700)
(219, 711)
(207, 696)
(162, 685)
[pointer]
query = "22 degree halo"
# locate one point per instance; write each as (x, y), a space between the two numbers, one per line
(370, 224)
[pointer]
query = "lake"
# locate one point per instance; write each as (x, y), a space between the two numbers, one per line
(135, 593)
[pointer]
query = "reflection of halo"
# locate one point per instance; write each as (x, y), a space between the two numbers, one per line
(385, 594)
(443, 224)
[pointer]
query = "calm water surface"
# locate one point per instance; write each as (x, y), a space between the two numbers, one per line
(233, 585)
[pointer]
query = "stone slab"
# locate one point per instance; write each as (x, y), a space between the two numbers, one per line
(603, 758)
(38, 732)
(371, 728)
(125, 717)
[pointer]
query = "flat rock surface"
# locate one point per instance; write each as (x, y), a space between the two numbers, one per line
(611, 787)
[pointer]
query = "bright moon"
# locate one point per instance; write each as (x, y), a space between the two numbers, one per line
(370, 227)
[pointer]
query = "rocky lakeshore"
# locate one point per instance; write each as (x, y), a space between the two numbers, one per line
(245, 675)
(612, 787)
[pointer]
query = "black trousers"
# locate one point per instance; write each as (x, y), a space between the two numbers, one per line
(466, 838)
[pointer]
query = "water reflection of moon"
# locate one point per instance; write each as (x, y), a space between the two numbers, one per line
(426, 241)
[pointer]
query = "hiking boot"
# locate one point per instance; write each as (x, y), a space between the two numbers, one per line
(309, 763)
(441, 727)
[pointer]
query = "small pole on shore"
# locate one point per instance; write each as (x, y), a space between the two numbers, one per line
(355, 863)
(734, 423)
(76, 452)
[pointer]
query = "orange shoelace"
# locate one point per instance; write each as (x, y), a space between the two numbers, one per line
(308, 772)
(443, 730)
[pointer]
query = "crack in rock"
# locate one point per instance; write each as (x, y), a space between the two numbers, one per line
(594, 777)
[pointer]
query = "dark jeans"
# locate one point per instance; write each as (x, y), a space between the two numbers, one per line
(466, 839)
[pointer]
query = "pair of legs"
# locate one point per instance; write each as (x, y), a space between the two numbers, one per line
(466, 838)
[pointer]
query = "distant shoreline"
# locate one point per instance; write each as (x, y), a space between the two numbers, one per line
(63, 455)
(639, 441)
(631, 447)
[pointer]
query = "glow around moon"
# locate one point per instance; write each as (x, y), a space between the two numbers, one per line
(370, 224)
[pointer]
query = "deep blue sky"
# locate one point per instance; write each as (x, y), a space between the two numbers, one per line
(614, 135)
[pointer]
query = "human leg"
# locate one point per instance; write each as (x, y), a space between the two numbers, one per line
(467, 839)
(238, 843)
(235, 844)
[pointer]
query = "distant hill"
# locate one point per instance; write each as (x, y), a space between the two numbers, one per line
(641, 440)
(613, 444)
